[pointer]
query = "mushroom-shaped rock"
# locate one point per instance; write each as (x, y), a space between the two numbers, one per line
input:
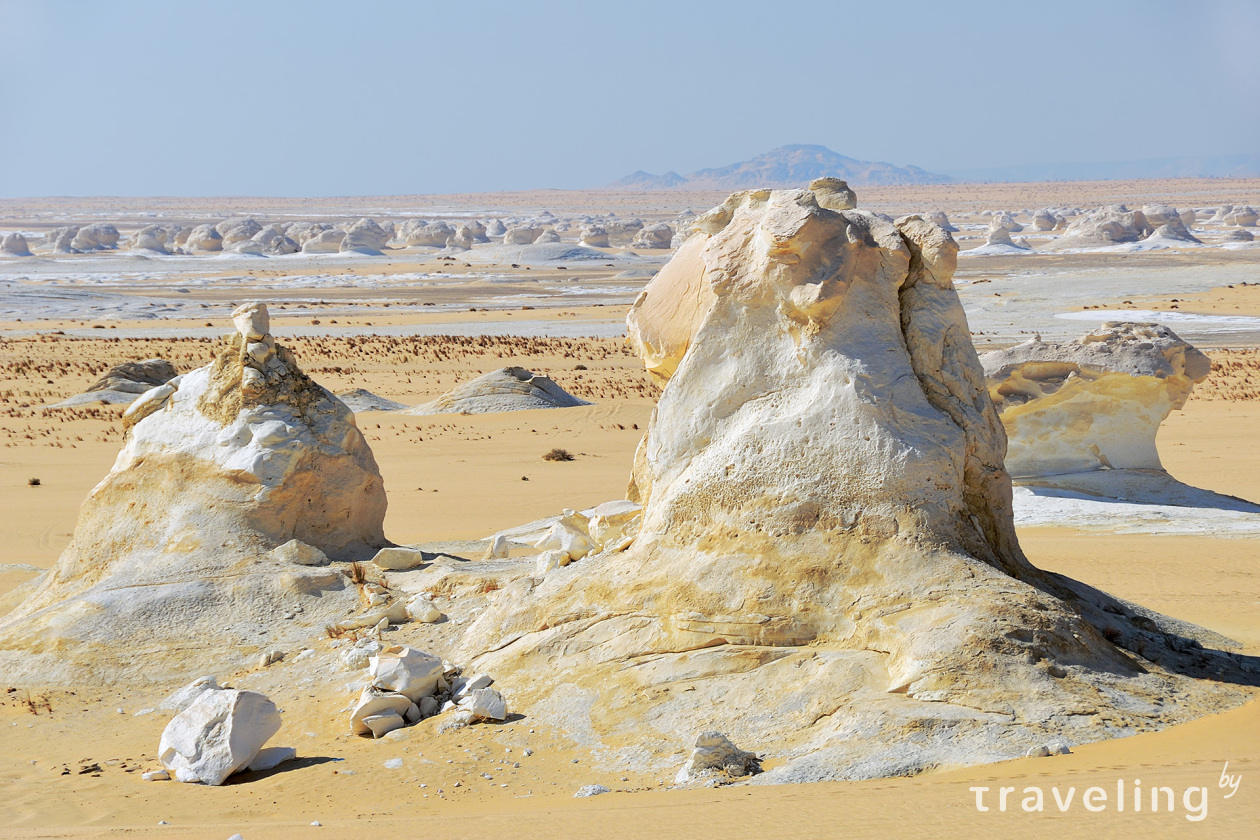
(1242, 217)
(827, 524)
(237, 230)
(495, 228)
(656, 237)
(365, 237)
(60, 240)
(594, 236)
(1091, 404)
(219, 733)
(1160, 214)
(14, 245)
(506, 389)
(424, 233)
(97, 237)
(1045, 220)
(522, 235)
(833, 194)
(939, 219)
(1002, 220)
(204, 238)
(246, 454)
(324, 242)
(150, 238)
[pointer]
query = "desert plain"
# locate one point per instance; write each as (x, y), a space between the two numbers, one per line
(407, 324)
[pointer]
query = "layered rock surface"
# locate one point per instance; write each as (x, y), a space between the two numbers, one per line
(827, 563)
(506, 389)
(170, 565)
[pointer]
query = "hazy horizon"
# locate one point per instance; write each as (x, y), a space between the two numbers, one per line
(383, 98)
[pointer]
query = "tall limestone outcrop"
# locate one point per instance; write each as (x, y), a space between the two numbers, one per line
(170, 571)
(827, 567)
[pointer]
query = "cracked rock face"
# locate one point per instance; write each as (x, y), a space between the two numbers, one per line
(1095, 403)
(171, 551)
(827, 565)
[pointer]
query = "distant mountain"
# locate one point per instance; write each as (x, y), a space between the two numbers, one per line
(1227, 166)
(647, 181)
(787, 166)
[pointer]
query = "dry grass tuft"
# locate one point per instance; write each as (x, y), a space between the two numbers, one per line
(558, 455)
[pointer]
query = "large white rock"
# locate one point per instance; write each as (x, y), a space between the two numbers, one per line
(204, 238)
(593, 236)
(237, 230)
(324, 242)
(216, 470)
(14, 245)
(95, 237)
(150, 238)
(827, 552)
(653, 237)
(1242, 217)
(522, 234)
(365, 237)
(1091, 404)
(406, 671)
(220, 733)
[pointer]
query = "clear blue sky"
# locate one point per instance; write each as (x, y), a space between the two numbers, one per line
(177, 97)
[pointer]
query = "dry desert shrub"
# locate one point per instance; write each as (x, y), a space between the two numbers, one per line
(558, 455)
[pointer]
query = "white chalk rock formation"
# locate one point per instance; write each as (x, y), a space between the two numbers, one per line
(275, 241)
(418, 232)
(1111, 225)
(506, 389)
(220, 733)
(1002, 220)
(325, 242)
(1091, 404)
(124, 383)
(522, 234)
(714, 753)
(217, 468)
(593, 236)
(96, 237)
(827, 550)
(14, 245)
(150, 238)
(1241, 217)
(653, 237)
(60, 240)
(237, 230)
(1239, 235)
(1046, 220)
(204, 238)
(364, 237)
(1188, 218)
(1160, 214)
(939, 219)
(998, 242)
(300, 232)
(495, 228)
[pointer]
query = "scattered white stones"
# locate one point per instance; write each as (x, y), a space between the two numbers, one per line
(156, 776)
(217, 735)
(590, 790)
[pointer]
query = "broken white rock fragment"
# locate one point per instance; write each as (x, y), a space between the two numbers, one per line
(219, 734)
(485, 704)
(406, 671)
(398, 558)
(714, 752)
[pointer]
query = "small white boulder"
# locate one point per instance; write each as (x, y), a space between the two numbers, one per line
(221, 732)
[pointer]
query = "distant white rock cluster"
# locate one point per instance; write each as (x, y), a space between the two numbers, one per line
(506, 389)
